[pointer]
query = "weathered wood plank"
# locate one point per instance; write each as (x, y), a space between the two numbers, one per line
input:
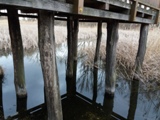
(48, 62)
(17, 50)
(68, 8)
(112, 39)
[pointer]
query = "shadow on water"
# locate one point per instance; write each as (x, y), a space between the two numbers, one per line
(131, 101)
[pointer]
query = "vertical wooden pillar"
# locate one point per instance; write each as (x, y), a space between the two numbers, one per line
(99, 37)
(95, 71)
(142, 47)
(48, 62)
(72, 28)
(112, 39)
(69, 72)
(17, 50)
(133, 99)
(75, 49)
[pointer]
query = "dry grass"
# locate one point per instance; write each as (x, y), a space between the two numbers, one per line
(126, 53)
(126, 49)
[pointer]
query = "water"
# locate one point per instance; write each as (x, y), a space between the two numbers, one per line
(127, 103)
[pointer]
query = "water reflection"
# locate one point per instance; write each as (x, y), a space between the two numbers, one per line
(89, 101)
(1, 100)
(133, 99)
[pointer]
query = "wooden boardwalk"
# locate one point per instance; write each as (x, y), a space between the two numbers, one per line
(111, 12)
(141, 11)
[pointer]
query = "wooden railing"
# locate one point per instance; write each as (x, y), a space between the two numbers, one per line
(147, 8)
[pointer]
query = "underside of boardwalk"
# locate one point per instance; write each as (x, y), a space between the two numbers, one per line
(141, 11)
(111, 12)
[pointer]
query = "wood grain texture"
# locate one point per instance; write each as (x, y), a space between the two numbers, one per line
(112, 39)
(17, 50)
(48, 62)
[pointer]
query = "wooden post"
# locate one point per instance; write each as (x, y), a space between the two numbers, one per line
(17, 50)
(69, 73)
(133, 99)
(75, 47)
(99, 37)
(133, 10)
(95, 71)
(48, 62)
(78, 6)
(142, 47)
(112, 39)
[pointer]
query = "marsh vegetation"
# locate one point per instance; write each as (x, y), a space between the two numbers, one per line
(126, 49)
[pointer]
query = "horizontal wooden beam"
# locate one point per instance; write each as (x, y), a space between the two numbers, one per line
(68, 8)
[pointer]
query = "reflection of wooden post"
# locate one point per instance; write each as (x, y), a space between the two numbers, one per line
(21, 106)
(112, 39)
(108, 106)
(48, 61)
(17, 50)
(95, 83)
(1, 101)
(133, 100)
(142, 47)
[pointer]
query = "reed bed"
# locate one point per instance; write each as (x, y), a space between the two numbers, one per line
(126, 48)
(126, 54)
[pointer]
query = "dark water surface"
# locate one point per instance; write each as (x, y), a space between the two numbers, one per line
(127, 103)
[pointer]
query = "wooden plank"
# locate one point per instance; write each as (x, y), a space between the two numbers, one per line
(46, 45)
(133, 11)
(68, 8)
(17, 51)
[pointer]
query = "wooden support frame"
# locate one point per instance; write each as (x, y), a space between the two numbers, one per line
(17, 50)
(46, 45)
